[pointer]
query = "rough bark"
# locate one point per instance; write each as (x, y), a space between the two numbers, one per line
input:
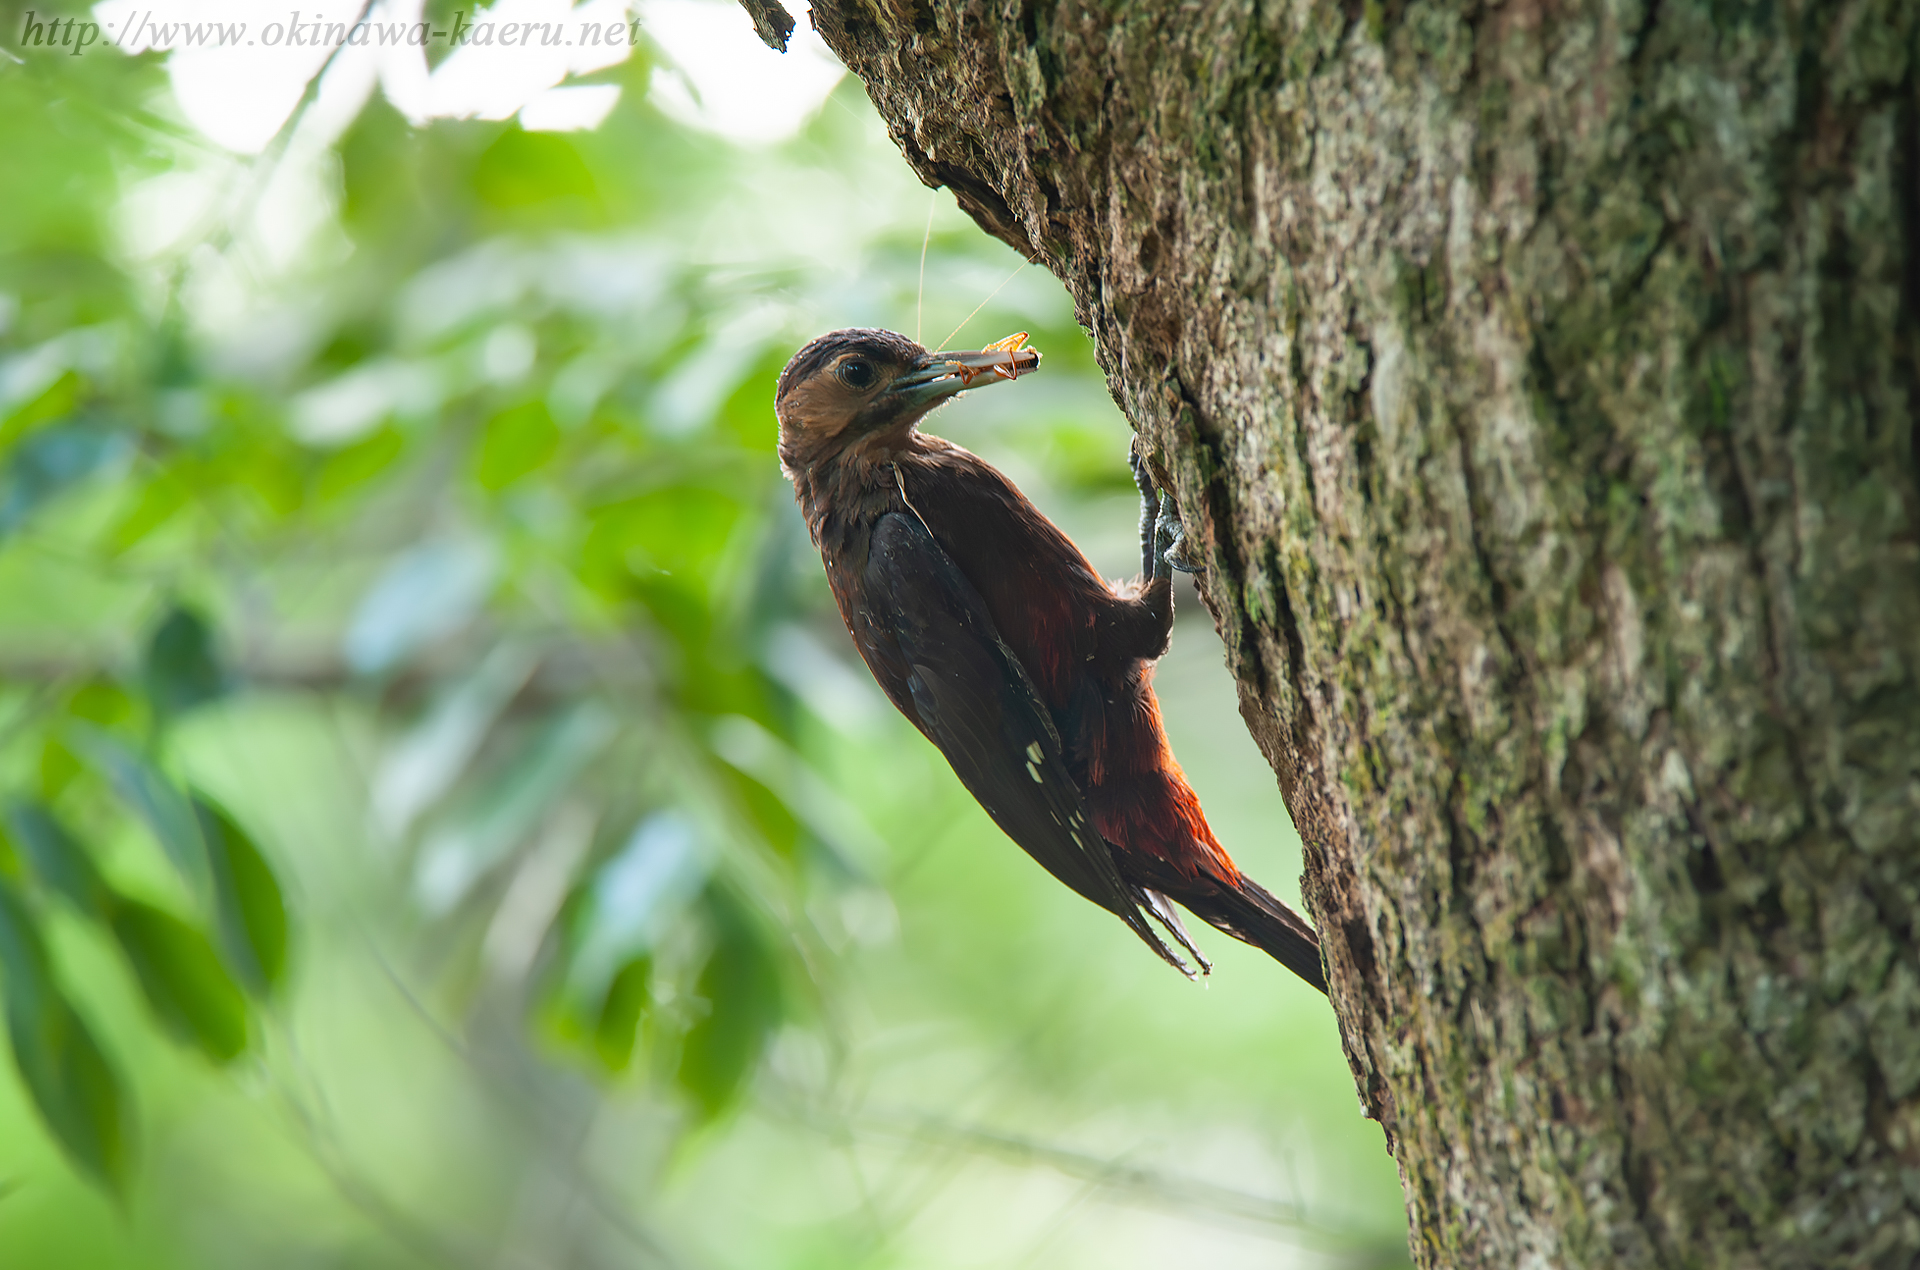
(1539, 383)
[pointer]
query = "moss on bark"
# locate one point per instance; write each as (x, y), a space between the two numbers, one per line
(1541, 384)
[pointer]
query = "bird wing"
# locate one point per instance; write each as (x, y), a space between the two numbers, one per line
(974, 700)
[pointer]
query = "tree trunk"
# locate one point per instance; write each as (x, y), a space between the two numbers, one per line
(1539, 385)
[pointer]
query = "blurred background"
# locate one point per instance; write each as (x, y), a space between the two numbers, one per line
(442, 819)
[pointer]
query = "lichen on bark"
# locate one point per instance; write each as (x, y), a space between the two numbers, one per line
(1541, 387)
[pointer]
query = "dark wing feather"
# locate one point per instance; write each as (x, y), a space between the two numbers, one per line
(973, 699)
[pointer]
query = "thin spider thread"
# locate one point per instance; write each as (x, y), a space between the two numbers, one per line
(983, 304)
(920, 296)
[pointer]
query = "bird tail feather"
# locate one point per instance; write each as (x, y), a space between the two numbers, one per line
(1247, 912)
(1163, 912)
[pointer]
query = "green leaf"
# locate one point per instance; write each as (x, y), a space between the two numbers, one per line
(250, 914)
(516, 442)
(183, 980)
(66, 1074)
(346, 470)
(741, 985)
(770, 815)
(56, 857)
(271, 474)
(160, 500)
(100, 700)
(59, 400)
(628, 997)
(24, 968)
(58, 766)
(537, 177)
(75, 1089)
(142, 787)
(182, 669)
(678, 529)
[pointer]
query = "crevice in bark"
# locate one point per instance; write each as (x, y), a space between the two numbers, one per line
(1460, 856)
(1906, 175)
(1289, 627)
(1649, 21)
(1496, 587)
(1635, 1166)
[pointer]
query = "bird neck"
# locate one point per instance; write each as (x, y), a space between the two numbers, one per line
(857, 482)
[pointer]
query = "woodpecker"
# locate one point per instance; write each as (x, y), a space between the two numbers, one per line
(992, 633)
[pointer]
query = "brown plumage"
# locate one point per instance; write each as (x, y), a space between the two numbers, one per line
(988, 629)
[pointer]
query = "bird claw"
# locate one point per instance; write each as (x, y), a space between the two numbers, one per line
(1169, 536)
(1161, 533)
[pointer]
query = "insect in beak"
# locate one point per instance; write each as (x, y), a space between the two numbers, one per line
(1020, 359)
(945, 373)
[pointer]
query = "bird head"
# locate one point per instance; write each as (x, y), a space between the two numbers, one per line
(861, 387)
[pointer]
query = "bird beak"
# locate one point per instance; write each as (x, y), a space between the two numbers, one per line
(944, 374)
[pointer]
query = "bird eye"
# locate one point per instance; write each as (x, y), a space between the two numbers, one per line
(856, 373)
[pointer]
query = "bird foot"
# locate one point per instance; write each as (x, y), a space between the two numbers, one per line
(1169, 536)
(1161, 533)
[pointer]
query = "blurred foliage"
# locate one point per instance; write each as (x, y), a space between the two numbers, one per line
(395, 570)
